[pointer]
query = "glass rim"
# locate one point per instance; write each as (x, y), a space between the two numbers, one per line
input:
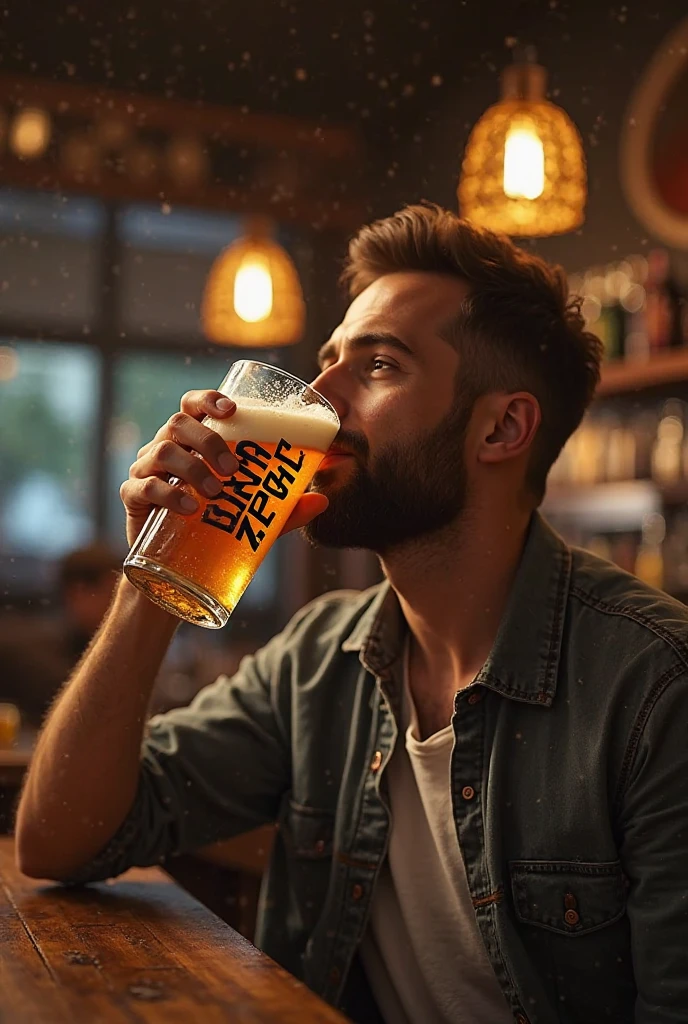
(292, 376)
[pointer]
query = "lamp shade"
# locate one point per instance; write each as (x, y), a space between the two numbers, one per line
(523, 170)
(253, 295)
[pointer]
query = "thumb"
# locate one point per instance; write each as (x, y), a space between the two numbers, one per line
(307, 507)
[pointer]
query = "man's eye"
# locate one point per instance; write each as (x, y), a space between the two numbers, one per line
(380, 364)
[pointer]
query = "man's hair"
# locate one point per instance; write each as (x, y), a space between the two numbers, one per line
(516, 331)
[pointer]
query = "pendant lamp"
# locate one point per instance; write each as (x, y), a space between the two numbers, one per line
(253, 295)
(523, 170)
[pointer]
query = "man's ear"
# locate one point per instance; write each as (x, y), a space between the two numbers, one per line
(508, 424)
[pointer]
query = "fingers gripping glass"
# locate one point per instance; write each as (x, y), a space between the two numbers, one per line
(198, 566)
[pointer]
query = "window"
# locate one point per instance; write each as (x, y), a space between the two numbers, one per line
(49, 398)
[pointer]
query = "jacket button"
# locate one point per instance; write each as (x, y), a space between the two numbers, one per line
(376, 762)
(572, 917)
(357, 891)
(468, 792)
(320, 846)
(475, 697)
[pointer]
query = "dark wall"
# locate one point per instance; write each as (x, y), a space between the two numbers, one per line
(413, 77)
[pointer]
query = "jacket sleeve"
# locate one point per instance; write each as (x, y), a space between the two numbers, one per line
(210, 771)
(654, 852)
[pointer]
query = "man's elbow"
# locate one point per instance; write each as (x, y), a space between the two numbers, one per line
(35, 867)
(33, 858)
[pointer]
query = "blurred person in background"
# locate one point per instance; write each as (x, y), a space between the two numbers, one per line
(38, 651)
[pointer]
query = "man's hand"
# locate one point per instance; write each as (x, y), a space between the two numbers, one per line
(174, 452)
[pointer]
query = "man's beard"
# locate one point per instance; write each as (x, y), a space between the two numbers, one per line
(404, 492)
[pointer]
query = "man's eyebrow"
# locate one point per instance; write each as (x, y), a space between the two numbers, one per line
(364, 341)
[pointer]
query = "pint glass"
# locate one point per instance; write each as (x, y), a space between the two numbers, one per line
(198, 566)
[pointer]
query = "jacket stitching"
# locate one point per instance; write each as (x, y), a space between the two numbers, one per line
(344, 858)
(638, 729)
(603, 869)
(632, 613)
(658, 689)
(552, 665)
(511, 691)
(496, 897)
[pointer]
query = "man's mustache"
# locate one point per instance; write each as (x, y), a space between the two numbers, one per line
(352, 442)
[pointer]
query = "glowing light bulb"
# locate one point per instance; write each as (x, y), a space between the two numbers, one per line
(30, 133)
(253, 290)
(524, 164)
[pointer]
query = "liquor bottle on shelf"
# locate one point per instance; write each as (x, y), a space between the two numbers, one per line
(601, 310)
(644, 426)
(663, 313)
(634, 306)
(649, 560)
(624, 551)
(668, 450)
(589, 452)
(620, 451)
(633, 299)
(599, 545)
(676, 555)
(612, 315)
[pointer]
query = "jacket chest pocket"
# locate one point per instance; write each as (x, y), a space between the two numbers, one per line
(569, 897)
(573, 923)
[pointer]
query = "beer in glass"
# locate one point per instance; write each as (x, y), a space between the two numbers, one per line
(198, 566)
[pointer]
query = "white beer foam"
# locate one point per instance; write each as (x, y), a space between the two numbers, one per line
(303, 426)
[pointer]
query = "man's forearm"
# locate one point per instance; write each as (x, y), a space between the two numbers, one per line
(84, 773)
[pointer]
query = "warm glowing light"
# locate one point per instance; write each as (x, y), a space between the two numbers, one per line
(633, 298)
(253, 290)
(30, 133)
(186, 160)
(253, 294)
(524, 164)
(9, 363)
(141, 161)
(523, 170)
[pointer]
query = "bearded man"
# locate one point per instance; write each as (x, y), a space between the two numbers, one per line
(478, 767)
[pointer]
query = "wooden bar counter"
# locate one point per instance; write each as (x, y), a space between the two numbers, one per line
(139, 949)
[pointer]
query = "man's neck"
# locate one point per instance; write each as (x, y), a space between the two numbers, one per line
(453, 590)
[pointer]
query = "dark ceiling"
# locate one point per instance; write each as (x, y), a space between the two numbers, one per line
(387, 64)
(374, 60)
(414, 76)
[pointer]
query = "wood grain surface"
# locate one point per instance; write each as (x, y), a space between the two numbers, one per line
(139, 949)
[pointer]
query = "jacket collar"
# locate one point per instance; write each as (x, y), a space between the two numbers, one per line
(524, 660)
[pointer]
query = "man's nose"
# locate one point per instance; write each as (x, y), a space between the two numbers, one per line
(325, 383)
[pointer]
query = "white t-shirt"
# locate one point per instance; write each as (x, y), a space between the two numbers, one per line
(423, 952)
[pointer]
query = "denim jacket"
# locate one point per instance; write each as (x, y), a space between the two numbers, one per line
(569, 780)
